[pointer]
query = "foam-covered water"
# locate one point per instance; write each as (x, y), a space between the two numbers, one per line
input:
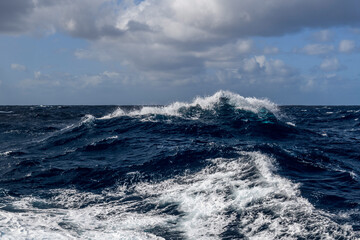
(220, 167)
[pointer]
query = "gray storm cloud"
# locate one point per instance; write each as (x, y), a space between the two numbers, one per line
(174, 36)
(190, 17)
(13, 15)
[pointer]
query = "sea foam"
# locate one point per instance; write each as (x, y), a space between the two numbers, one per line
(243, 194)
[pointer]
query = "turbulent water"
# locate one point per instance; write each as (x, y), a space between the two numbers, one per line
(220, 167)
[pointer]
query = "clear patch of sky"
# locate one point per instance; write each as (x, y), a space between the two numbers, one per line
(54, 53)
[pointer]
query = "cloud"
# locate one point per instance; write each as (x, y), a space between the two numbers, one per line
(13, 15)
(181, 39)
(97, 79)
(88, 19)
(176, 40)
(322, 83)
(244, 46)
(18, 67)
(346, 46)
(323, 36)
(330, 65)
(111, 74)
(226, 54)
(56, 80)
(95, 18)
(152, 60)
(40, 79)
(259, 69)
(271, 50)
(317, 49)
(355, 30)
(238, 18)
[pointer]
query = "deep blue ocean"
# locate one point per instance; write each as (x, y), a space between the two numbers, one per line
(220, 167)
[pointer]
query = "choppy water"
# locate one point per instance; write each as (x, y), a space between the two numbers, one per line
(220, 167)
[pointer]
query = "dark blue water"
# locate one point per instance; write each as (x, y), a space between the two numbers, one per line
(221, 167)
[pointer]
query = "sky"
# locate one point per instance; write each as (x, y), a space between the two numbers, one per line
(303, 52)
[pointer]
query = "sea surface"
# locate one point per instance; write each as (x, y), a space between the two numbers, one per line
(219, 167)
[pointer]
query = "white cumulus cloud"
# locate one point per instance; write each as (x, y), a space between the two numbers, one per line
(317, 49)
(323, 35)
(271, 50)
(346, 46)
(260, 69)
(18, 67)
(330, 64)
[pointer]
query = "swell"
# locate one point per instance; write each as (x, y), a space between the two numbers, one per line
(225, 165)
(147, 136)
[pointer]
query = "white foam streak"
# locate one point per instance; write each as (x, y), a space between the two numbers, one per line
(75, 223)
(88, 118)
(7, 153)
(205, 197)
(243, 192)
(291, 124)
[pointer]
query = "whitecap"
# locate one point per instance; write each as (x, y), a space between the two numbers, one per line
(206, 103)
(88, 118)
(7, 153)
(291, 124)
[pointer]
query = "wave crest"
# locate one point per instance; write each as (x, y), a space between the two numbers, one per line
(210, 103)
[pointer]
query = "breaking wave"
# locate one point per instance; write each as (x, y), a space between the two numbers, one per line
(210, 104)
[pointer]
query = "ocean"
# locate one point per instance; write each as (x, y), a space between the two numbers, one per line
(219, 167)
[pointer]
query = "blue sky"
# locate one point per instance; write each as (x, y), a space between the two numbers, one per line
(160, 51)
